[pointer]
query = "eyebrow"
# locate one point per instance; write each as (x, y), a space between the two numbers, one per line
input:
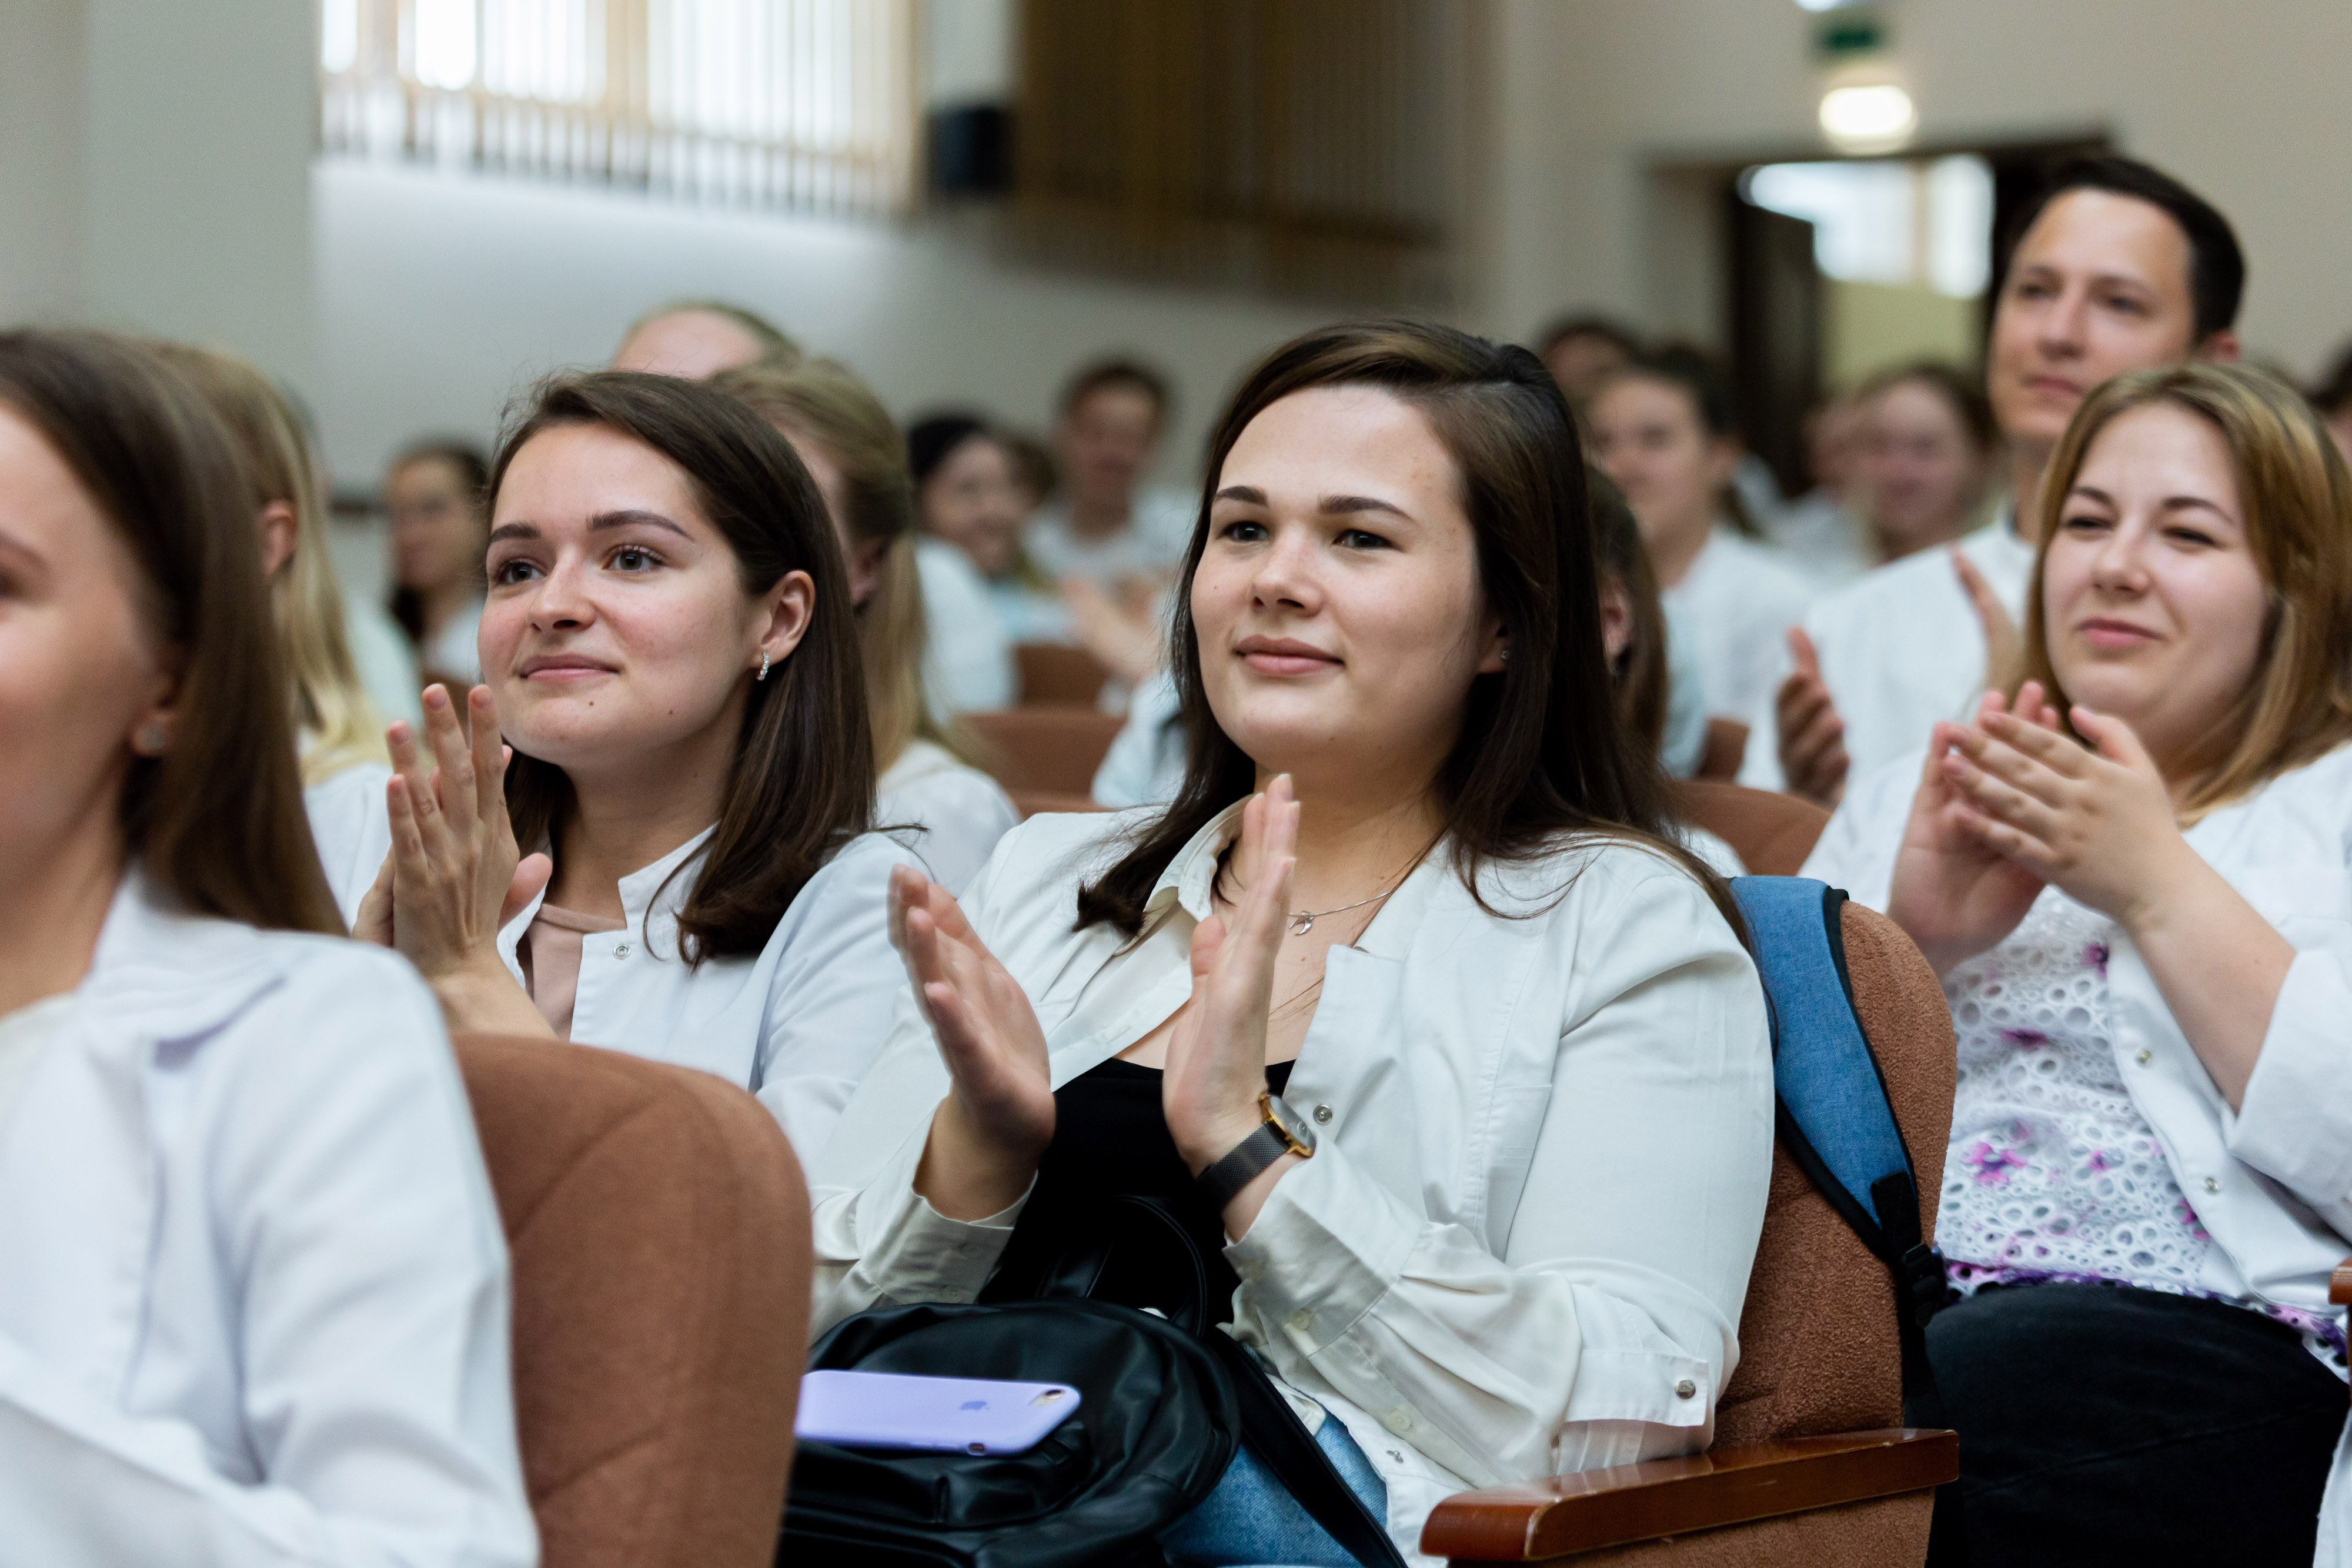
(602, 522)
(1330, 506)
(2169, 504)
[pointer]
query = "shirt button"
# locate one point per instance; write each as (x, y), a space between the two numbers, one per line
(1322, 1113)
(2145, 1056)
(621, 950)
(1400, 1419)
(2212, 1183)
(1686, 1388)
(1301, 1320)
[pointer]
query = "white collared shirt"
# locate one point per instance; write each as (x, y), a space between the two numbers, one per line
(968, 654)
(352, 829)
(949, 813)
(1545, 1147)
(256, 1308)
(1736, 604)
(796, 1024)
(1900, 648)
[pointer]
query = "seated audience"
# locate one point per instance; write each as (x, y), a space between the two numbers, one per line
(1106, 526)
(2333, 398)
(1522, 1240)
(981, 592)
(1927, 446)
(1582, 352)
(2115, 267)
(1822, 528)
(255, 1308)
(1663, 431)
(672, 658)
(433, 492)
(927, 794)
(697, 339)
(2134, 874)
(343, 762)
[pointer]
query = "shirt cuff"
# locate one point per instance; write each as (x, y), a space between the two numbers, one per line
(1326, 1247)
(2295, 1122)
(909, 1251)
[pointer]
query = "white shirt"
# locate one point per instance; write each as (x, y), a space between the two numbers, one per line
(25, 1034)
(1900, 648)
(1544, 1149)
(967, 660)
(353, 829)
(1145, 764)
(256, 1308)
(796, 1024)
(386, 659)
(948, 812)
(1822, 536)
(455, 651)
(1152, 545)
(1737, 602)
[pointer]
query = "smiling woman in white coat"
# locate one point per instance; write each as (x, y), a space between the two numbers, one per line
(672, 658)
(2135, 875)
(256, 1303)
(1414, 902)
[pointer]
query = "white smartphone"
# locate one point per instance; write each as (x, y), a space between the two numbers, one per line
(933, 1415)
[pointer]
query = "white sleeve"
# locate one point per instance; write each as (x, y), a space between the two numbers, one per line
(951, 820)
(352, 829)
(968, 666)
(1857, 851)
(1132, 771)
(350, 1196)
(2295, 1122)
(1608, 1327)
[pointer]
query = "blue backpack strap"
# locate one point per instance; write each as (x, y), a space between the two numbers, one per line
(1834, 1115)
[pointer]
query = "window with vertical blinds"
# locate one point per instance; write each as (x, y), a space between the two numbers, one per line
(1296, 146)
(806, 104)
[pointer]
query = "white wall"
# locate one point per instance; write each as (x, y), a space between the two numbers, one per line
(440, 296)
(2247, 102)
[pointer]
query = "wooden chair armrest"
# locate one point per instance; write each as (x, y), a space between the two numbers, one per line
(2339, 1284)
(1656, 1498)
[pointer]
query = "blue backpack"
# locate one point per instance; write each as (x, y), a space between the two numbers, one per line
(1833, 1112)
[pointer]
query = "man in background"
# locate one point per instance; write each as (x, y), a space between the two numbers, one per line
(696, 339)
(1105, 527)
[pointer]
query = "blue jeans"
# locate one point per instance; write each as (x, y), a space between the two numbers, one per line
(1250, 1520)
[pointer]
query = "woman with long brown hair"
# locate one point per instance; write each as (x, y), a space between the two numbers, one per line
(927, 790)
(2134, 874)
(256, 1311)
(671, 656)
(1447, 1057)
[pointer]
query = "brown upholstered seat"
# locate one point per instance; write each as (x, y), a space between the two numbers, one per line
(1726, 747)
(1055, 673)
(660, 1235)
(1772, 833)
(1044, 750)
(1819, 1354)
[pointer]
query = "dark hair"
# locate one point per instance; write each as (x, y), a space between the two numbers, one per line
(1640, 673)
(1616, 334)
(1032, 465)
(217, 820)
(2216, 267)
(931, 438)
(1963, 392)
(2334, 392)
(803, 782)
(1694, 375)
(1541, 757)
(1117, 373)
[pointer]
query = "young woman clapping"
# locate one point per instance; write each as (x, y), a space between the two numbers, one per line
(1414, 905)
(670, 655)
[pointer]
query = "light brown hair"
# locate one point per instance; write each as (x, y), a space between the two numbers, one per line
(217, 823)
(2297, 495)
(306, 602)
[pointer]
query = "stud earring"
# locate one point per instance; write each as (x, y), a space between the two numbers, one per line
(764, 666)
(152, 738)
(1505, 656)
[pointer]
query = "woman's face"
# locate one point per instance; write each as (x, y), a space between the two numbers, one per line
(1651, 440)
(972, 500)
(436, 531)
(1921, 472)
(83, 686)
(2151, 596)
(1338, 601)
(618, 630)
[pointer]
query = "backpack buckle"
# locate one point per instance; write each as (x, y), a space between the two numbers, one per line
(1920, 1283)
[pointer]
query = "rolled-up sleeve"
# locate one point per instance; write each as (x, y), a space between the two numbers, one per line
(2294, 1123)
(1605, 1328)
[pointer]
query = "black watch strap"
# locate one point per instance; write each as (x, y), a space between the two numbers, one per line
(1221, 1180)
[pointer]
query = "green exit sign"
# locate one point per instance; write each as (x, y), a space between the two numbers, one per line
(1843, 35)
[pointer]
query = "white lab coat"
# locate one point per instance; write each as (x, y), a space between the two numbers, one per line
(1523, 1243)
(1900, 648)
(949, 814)
(351, 826)
(1733, 606)
(2270, 1182)
(796, 1025)
(256, 1309)
(967, 660)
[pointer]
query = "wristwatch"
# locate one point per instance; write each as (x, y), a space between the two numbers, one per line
(1284, 1132)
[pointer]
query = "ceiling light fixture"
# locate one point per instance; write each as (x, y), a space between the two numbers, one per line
(1868, 117)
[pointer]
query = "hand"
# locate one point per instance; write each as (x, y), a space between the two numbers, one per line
(1122, 635)
(1956, 894)
(2004, 644)
(1216, 1052)
(1811, 734)
(992, 1127)
(2099, 825)
(454, 877)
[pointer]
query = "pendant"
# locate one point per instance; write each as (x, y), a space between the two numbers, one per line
(1301, 924)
